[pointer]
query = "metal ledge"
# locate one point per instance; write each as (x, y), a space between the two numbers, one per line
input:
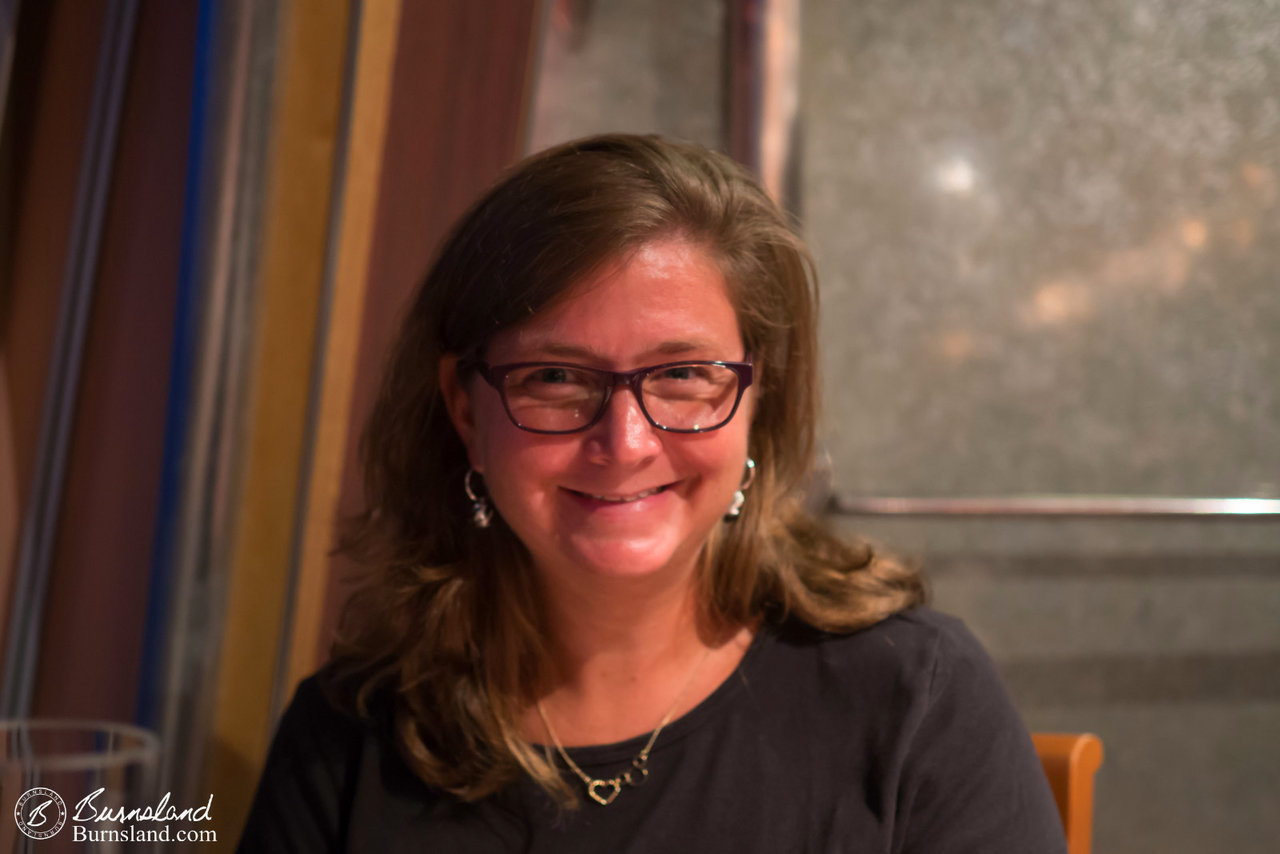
(1056, 506)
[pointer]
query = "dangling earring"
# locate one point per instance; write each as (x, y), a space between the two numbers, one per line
(735, 509)
(481, 512)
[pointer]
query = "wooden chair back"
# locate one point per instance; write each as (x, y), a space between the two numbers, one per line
(1070, 760)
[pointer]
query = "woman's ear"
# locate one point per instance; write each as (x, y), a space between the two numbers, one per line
(457, 399)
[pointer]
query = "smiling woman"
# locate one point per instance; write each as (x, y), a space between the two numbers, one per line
(590, 567)
(622, 493)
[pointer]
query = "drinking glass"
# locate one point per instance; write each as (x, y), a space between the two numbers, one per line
(53, 770)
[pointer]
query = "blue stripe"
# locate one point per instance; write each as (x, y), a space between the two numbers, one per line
(182, 357)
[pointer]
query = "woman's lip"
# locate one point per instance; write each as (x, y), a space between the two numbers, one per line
(620, 498)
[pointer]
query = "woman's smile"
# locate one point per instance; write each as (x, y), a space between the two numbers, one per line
(619, 498)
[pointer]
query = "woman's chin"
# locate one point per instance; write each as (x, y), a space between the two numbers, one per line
(624, 558)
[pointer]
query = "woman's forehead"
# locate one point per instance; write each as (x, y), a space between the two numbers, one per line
(668, 298)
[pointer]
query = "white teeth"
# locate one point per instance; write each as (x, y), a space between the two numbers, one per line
(612, 499)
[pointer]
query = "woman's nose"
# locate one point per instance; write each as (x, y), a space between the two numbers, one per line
(624, 434)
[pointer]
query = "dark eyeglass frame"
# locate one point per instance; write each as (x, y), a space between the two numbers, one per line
(494, 375)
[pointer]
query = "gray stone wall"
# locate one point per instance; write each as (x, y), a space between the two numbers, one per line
(1048, 235)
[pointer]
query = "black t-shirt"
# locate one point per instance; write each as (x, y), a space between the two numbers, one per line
(896, 738)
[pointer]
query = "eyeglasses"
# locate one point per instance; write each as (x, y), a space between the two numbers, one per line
(557, 397)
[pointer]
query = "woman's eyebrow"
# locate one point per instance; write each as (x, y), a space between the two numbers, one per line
(564, 351)
(675, 347)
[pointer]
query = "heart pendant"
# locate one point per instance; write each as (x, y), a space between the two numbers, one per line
(613, 787)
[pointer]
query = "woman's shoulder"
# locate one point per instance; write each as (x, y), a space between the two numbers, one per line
(912, 656)
(306, 786)
(327, 699)
(919, 691)
(322, 726)
(918, 637)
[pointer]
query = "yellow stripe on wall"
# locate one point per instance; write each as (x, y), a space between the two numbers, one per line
(379, 25)
(305, 116)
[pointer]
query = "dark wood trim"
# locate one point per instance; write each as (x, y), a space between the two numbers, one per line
(458, 103)
(93, 627)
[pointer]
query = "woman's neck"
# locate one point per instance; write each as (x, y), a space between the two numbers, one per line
(599, 625)
(625, 652)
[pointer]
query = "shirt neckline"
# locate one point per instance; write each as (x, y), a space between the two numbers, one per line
(690, 722)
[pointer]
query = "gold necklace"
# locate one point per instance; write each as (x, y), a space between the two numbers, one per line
(604, 792)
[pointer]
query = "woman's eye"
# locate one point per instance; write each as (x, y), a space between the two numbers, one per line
(549, 379)
(551, 375)
(681, 372)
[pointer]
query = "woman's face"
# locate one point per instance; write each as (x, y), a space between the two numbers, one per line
(622, 498)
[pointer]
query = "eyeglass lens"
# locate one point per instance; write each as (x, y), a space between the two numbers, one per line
(678, 397)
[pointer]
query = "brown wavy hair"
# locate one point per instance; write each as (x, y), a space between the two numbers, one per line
(448, 622)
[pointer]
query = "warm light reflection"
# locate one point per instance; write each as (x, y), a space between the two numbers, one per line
(1059, 302)
(956, 175)
(956, 345)
(1195, 234)
(1162, 264)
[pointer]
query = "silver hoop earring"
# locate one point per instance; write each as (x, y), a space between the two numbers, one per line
(739, 499)
(481, 512)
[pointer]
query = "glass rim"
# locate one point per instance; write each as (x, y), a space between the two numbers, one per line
(146, 746)
(633, 379)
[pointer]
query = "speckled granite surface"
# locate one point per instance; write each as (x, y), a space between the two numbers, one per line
(1049, 236)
